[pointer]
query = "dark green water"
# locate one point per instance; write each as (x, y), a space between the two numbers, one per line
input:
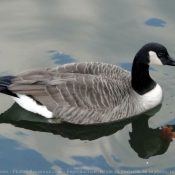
(48, 33)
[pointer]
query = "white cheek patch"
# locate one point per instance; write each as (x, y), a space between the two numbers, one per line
(154, 59)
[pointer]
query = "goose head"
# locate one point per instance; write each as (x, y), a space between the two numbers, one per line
(154, 54)
(149, 54)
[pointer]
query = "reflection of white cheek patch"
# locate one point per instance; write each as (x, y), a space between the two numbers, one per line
(154, 59)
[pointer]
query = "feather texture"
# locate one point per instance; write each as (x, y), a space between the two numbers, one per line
(82, 93)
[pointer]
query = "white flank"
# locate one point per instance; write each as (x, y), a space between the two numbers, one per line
(31, 105)
(152, 98)
(154, 59)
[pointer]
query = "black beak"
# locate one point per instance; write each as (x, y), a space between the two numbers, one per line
(170, 61)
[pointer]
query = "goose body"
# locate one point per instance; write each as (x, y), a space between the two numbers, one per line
(89, 93)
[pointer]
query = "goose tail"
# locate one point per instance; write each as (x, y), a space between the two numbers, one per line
(5, 81)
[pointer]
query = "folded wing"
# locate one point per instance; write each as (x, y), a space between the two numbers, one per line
(78, 93)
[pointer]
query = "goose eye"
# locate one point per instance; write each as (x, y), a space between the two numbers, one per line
(160, 54)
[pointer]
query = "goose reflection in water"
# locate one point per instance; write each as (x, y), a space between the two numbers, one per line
(145, 141)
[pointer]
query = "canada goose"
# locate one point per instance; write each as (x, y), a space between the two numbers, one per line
(89, 93)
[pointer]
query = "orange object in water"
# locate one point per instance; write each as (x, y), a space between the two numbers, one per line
(167, 134)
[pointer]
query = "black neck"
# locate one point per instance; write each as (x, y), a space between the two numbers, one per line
(141, 80)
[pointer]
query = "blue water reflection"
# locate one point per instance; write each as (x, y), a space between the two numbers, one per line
(60, 58)
(154, 22)
(128, 67)
(115, 159)
(18, 157)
